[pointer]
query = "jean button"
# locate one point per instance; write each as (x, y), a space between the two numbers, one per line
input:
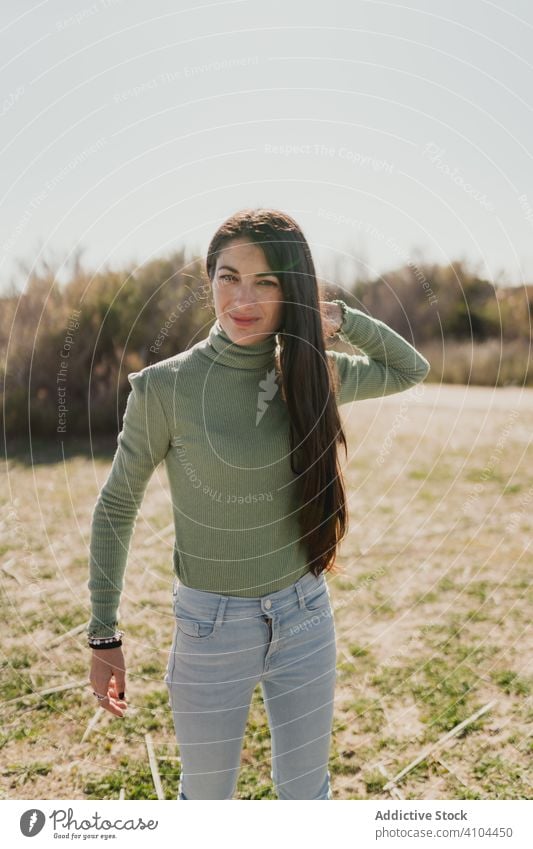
(268, 604)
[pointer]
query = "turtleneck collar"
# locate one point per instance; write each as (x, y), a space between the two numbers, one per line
(222, 349)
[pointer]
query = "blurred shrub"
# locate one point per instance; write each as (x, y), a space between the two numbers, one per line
(113, 319)
(470, 331)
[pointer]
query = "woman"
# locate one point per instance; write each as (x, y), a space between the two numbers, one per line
(249, 434)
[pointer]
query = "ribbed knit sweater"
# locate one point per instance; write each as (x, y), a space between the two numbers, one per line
(215, 415)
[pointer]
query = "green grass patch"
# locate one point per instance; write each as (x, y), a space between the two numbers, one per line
(15, 678)
(368, 714)
(136, 779)
(152, 713)
(479, 589)
(151, 668)
(374, 781)
(250, 785)
(485, 475)
(511, 488)
(501, 779)
(21, 773)
(511, 683)
(358, 651)
(439, 472)
(446, 585)
(428, 597)
(444, 693)
(63, 622)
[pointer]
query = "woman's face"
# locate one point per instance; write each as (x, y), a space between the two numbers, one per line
(244, 287)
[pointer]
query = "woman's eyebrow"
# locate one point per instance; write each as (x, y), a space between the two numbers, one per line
(259, 273)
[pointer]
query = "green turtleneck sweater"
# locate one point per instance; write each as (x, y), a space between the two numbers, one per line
(214, 414)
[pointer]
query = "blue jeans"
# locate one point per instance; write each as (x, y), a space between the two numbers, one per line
(222, 647)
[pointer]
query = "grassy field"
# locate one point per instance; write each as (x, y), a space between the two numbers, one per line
(431, 610)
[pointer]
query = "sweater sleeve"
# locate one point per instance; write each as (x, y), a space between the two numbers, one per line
(390, 364)
(142, 444)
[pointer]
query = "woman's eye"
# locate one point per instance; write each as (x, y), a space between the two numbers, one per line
(232, 278)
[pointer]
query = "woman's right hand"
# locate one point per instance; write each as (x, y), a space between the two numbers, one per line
(108, 678)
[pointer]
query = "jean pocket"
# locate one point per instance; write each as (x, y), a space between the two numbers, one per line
(317, 598)
(193, 624)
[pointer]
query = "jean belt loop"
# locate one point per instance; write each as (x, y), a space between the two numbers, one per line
(221, 609)
(299, 591)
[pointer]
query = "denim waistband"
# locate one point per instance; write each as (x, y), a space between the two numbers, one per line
(232, 606)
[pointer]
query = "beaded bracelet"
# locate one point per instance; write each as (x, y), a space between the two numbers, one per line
(113, 642)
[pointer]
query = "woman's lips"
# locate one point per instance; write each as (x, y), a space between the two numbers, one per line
(243, 321)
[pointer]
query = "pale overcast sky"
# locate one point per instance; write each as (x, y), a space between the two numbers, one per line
(384, 128)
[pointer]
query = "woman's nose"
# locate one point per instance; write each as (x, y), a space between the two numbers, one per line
(245, 295)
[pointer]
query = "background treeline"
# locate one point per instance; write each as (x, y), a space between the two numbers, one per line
(470, 330)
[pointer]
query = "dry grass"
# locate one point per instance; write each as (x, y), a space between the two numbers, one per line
(431, 610)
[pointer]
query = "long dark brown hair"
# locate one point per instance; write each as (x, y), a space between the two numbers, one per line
(308, 377)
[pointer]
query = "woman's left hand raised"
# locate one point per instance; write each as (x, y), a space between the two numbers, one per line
(331, 315)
